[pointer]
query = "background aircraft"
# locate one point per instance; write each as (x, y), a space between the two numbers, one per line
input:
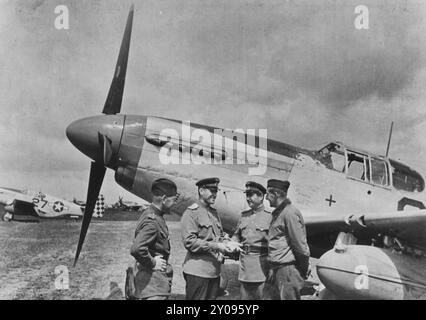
(127, 205)
(26, 202)
(350, 198)
(100, 206)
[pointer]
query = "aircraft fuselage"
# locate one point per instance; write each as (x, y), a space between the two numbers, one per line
(138, 142)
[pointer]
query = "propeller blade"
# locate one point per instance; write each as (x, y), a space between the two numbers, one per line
(107, 149)
(97, 173)
(115, 94)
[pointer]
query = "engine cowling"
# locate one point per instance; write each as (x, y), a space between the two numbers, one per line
(20, 208)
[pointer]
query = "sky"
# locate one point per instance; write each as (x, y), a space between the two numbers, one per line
(300, 69)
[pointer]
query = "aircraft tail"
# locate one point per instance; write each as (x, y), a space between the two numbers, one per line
(99, 207)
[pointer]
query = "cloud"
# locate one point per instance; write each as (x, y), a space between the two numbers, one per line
(276, 53)
(299, 69)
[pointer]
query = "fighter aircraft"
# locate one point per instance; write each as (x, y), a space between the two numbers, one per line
(26, 202)
(364, 212)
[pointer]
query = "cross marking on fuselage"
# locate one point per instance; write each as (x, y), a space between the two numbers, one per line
(330, 200)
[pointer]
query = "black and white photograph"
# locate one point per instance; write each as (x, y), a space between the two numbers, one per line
(212, 150)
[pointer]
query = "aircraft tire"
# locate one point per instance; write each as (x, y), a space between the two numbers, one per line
(7, 217)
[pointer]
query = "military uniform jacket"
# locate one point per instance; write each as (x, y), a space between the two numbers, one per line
(201, 231)
(252, 231)
(287, 238)
(151, 239)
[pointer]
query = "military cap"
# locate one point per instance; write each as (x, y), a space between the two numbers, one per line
(279, 184)
(251, 185)
(208, 183)
(164, 187)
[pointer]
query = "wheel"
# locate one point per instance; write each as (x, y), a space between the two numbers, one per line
(7, 217)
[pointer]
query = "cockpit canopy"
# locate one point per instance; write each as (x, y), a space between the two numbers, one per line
(373, 169)
(405, 178)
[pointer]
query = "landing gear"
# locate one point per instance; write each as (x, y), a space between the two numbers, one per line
(344, 239)
(7, 217)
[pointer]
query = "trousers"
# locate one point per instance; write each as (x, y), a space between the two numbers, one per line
(198, 288)
(283, 283)
(252, 290)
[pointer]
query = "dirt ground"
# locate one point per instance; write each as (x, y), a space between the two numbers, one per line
(30, 252)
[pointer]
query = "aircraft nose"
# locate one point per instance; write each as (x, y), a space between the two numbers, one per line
(88, 134)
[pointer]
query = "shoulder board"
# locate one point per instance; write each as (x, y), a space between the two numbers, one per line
(151, 215)
(193, 206)
(246, 211)
(289, 207)
(146, 218)
(148, 213)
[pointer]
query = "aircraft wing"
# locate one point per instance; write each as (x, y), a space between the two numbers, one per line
(407, 226)
(321, 223)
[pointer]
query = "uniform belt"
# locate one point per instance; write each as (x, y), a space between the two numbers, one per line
(255, 249)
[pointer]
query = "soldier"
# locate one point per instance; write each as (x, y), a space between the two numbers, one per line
(202, 236)
(252, 232)
(288, 249)
(151, 246)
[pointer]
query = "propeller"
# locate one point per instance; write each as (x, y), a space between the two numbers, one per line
(97, 173)
(112, 106)
(115, 94)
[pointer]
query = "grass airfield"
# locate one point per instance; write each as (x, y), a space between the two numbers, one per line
(30, 252)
